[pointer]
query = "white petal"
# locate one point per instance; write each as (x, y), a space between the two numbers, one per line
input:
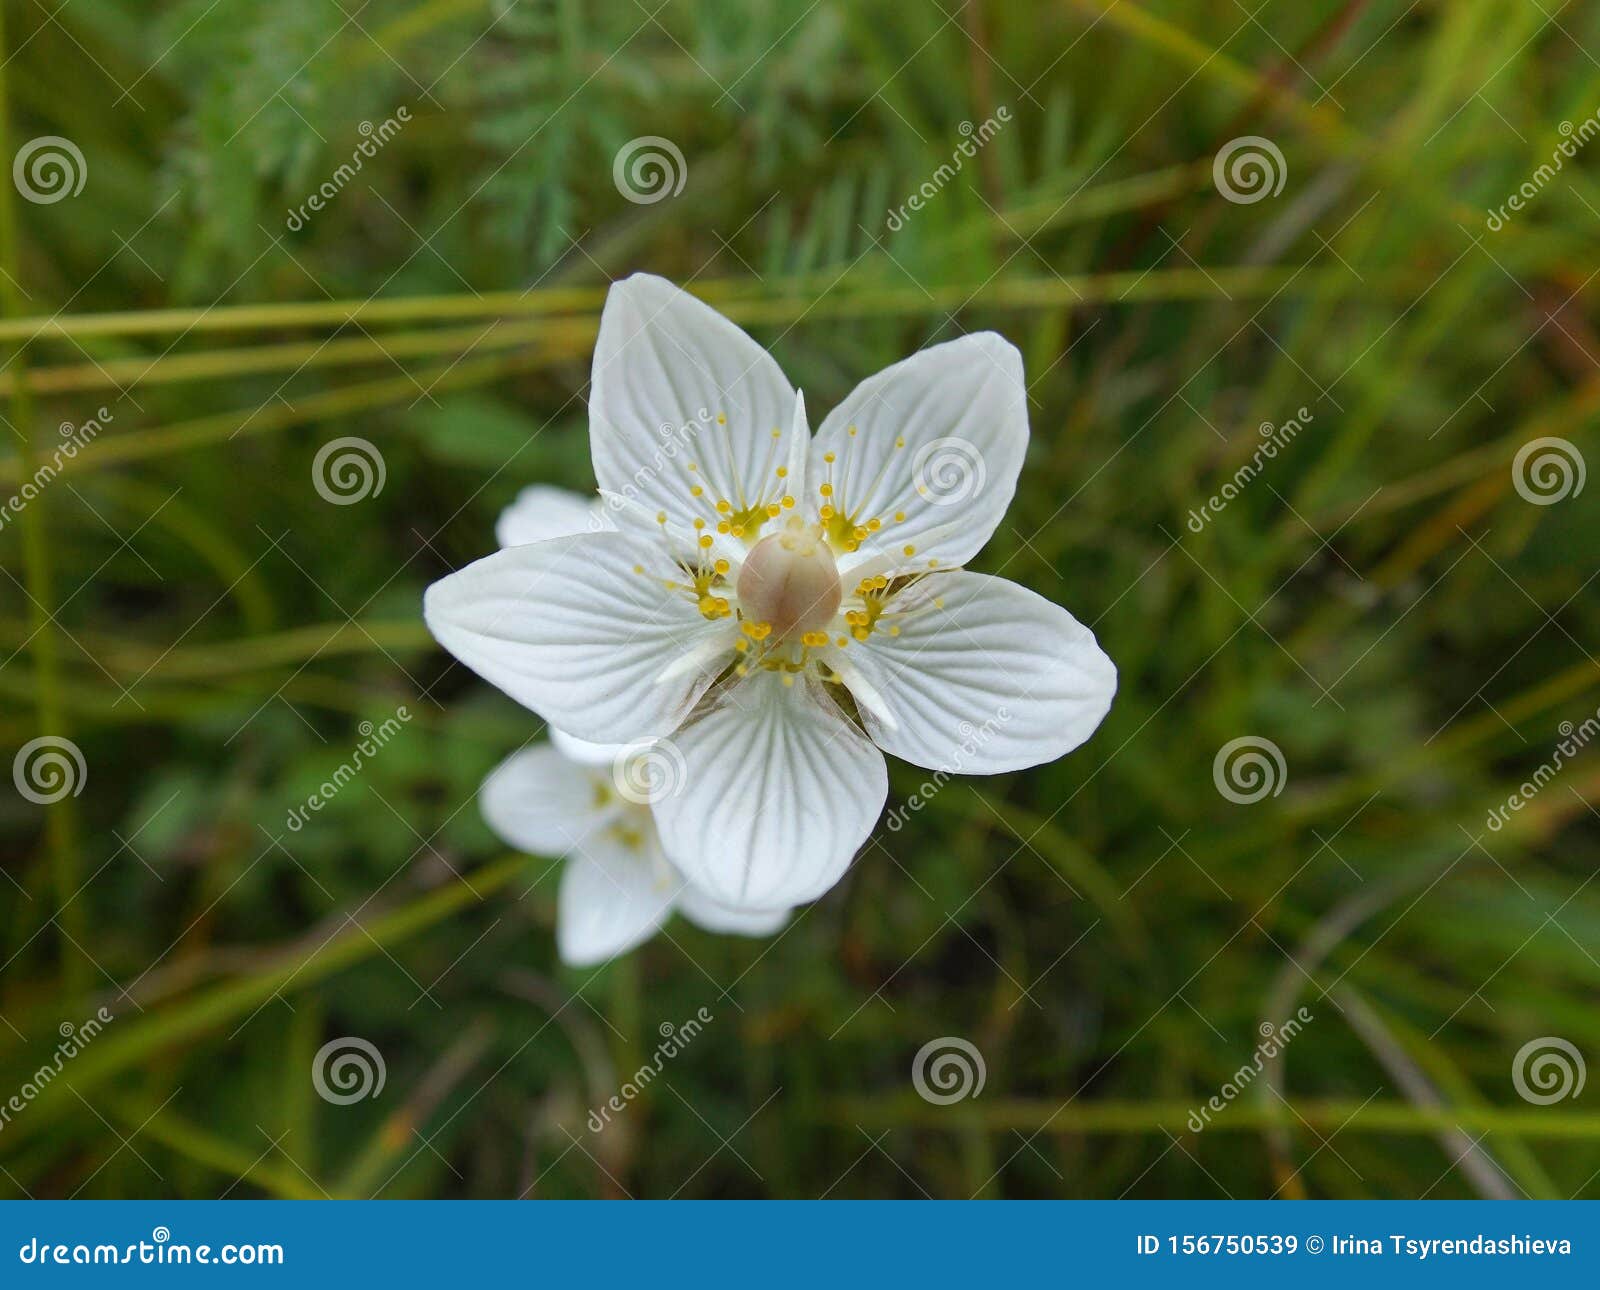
(666, 368)
(582, 751)
(539, 801)
(984, 676)
(701, 910)
(541, 512)
(939, 438)
(779, 791)
(568, 628)
(613, 896)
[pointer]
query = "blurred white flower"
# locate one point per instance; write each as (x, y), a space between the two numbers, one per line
(778, 603)
(617, 887)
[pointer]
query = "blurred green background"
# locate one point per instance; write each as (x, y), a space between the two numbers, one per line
(1396, 604)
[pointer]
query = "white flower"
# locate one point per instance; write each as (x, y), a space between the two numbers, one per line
(570, 798)
(783, 606)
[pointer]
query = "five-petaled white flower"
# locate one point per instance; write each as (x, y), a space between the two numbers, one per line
(590, 803)
(780, 603)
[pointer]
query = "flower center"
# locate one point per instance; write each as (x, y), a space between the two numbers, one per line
(790, 581)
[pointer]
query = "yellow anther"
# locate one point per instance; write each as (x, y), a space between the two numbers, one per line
(899, 517)
(788, 502)
(783, 472)
(638, 568)
(828, 457)
(816, 640)
(826, 512)
(705, 541)
(852, 432)
(911, 550)
(721, 566)
(695, 490)
(900, 441)
(724, 507)
(724, 527)
(788, 678)
(661, 517)
(826, 490)
(894, 629)
(843, 641)
(874, 525)
(721, 420)
(699, 524)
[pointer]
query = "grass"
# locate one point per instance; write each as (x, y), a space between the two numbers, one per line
(1111, 932)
